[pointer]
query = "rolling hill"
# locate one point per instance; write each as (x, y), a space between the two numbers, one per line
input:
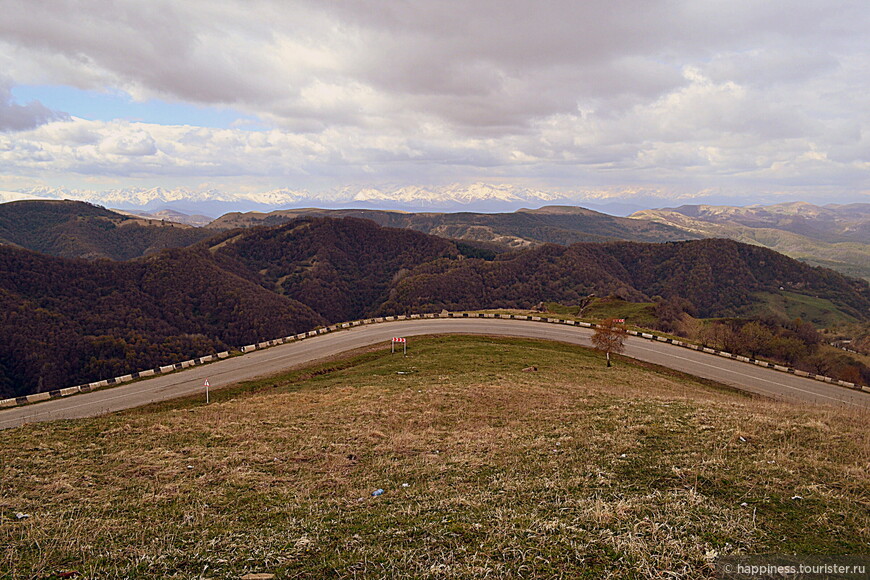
(171, 215)
(831, 223)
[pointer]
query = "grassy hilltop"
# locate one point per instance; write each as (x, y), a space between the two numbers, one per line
(574, 470)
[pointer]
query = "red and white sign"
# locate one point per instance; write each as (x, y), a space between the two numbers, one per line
(399, 340)
(206, 385)
(619, 320)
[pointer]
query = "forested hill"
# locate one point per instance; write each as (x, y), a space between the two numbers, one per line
(718, 277)
(64, 322)
(67, 321)
(350, 267)
(343, 269)
(75, 229)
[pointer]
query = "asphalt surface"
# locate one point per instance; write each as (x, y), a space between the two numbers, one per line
(270, 361)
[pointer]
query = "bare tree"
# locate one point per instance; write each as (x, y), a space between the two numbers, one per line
(609, 337)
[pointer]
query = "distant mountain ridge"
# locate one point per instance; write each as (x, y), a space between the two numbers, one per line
(456, 196)
(523, 228)
(834, 236)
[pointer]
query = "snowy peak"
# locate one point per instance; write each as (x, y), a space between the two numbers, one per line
(7, 196)
(456, 194)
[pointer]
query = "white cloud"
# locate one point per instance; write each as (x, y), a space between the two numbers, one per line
(639, 91)
(136, 144)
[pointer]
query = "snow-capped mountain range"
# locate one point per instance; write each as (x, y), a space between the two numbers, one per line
(453, 196)
(457, 197)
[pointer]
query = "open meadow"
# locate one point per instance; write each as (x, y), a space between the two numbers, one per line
(573, 470)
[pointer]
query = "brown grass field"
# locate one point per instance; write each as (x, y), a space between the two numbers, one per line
(573, 471)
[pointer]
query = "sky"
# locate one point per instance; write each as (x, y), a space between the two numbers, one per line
(742, 99)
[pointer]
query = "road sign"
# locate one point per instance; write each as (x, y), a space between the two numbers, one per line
(619, 320)
(206, 385)
(399, 340)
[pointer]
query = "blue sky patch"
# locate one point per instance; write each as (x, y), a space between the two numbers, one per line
(112, 105)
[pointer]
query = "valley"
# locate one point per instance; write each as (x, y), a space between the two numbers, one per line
(92, 319)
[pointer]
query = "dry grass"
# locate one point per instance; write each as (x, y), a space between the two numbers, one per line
(572, 471)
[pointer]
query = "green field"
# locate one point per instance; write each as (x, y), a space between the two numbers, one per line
(572, 471)
(639, 314)
(790, 305)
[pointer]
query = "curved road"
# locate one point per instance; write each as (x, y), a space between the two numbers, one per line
(744, 376)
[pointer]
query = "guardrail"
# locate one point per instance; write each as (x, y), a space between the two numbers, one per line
(88, 387)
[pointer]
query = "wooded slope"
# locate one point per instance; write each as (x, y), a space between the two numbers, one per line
(75, 229)
(65, 322)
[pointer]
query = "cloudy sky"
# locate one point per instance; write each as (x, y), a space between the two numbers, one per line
(740, 97)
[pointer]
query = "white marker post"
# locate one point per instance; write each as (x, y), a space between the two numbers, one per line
(206, 391)
(402, 341)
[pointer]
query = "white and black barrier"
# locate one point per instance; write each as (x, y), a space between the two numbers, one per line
(58, 393)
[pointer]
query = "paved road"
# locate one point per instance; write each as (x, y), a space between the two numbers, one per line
(270, 361)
